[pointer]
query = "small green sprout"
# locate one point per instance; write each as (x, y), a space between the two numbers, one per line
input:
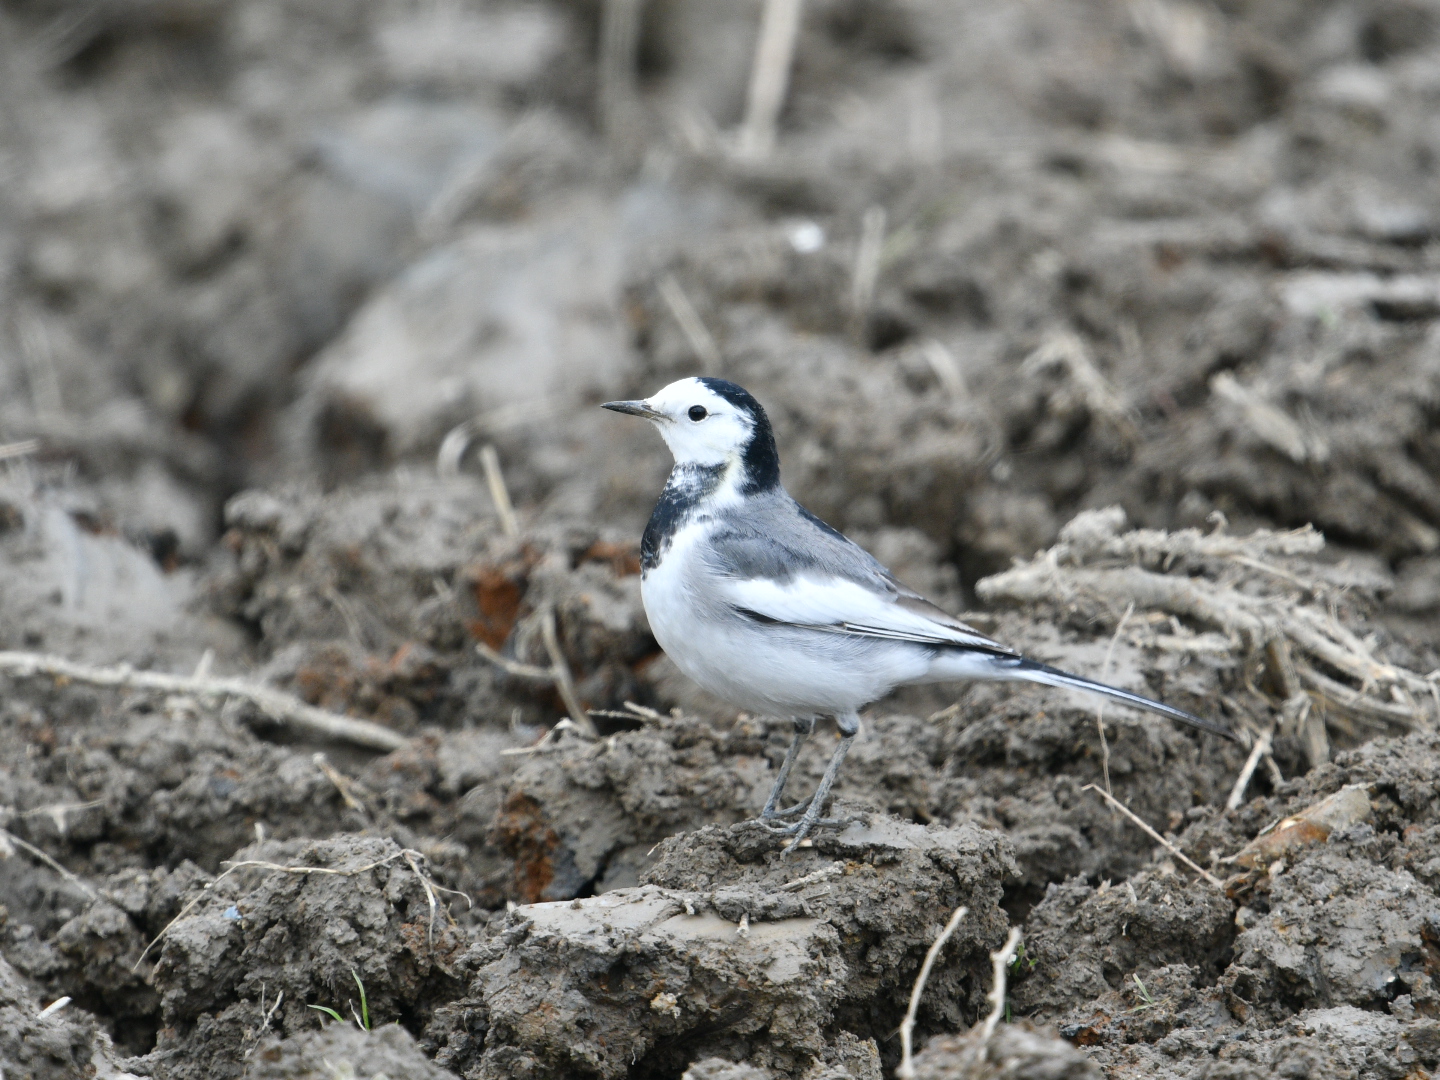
(328, 1012)
(1148, 1001)
(1022, 958)
(362, 1018)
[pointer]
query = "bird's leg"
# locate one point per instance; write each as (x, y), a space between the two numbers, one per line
(804, 726)
(849, 725)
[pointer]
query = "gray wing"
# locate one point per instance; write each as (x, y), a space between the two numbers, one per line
(782, 564)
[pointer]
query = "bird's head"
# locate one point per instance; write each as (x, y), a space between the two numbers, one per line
(712, 422)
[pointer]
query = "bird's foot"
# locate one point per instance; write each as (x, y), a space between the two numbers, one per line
(803, 826)
(801, 829)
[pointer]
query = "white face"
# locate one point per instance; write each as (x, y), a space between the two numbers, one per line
(698, 425)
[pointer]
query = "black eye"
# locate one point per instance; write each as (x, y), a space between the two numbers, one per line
(698, 413)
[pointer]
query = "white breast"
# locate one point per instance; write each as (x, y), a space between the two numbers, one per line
(766, 668)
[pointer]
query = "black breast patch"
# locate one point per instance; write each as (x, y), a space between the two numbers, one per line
(686, 489)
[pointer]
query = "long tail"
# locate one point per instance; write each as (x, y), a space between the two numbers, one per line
(1024, 670)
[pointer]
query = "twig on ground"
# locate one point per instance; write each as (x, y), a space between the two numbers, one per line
(1100, 704)
(769, 77)
(561, 673)
(702, 344)
(999, 960)
(285, 709)
(499, 493)
(7, 838)
(1260, 749)
(1166, 844)
(907, 1026)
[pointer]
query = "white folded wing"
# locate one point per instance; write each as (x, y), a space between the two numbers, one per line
(841, 606)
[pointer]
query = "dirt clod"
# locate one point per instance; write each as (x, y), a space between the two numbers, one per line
(738, 952)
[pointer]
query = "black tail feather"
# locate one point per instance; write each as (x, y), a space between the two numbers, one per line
(1033, 671)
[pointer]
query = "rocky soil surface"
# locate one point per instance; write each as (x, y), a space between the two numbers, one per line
(333, 737)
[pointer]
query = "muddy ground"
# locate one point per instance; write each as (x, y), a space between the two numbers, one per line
(1131, 292)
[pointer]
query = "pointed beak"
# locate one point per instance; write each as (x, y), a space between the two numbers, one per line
(635, 408)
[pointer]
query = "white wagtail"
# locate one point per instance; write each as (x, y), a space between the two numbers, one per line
(766, 606)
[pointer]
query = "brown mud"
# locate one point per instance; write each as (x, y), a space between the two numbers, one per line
(1114, 324)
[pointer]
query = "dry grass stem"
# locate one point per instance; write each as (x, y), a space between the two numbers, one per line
(410, 856)
(38, 352)
(53, 1008)
(9, 841)
(946, 368)
(1260, 749)
(867, 264)
(907, 1026)
(561, 670)
(283, 708)
(515, 667)
(1166, 844)
(702, 344)
(1268, 423)
(23, 448)
(1100, 704)
(769, 77)
(999, 961)
(340, 783)
(517, 414)
(499, 492)
(546, 741)
(1364, 707)
(1232, 585)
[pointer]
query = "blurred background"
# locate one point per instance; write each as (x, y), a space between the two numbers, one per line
(987, 264)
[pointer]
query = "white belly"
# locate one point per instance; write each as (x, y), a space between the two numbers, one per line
(765, 668)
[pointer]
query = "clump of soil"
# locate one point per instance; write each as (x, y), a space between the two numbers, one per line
(1323, 957)
(732, 950)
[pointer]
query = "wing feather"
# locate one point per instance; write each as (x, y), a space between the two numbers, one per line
(837, 605)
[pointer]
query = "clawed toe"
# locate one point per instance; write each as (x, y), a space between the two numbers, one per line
(801, 827)
(789, 811)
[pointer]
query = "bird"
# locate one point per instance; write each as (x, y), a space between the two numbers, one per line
(769, 608)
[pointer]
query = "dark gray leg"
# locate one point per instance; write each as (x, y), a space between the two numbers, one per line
(804, 726)
(849, 725)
